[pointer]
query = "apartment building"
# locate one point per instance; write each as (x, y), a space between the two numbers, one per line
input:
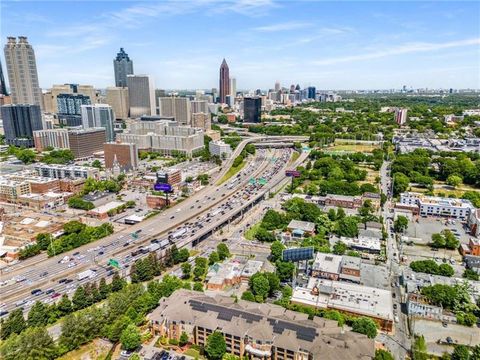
(65, 171)
(255, 330)
(438, 206)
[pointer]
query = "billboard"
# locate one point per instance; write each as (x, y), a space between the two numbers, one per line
(297, 254)
(163, 187)
(292, 173)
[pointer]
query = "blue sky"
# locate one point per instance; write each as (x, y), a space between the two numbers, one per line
(331, 45)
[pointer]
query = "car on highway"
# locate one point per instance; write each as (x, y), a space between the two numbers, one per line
(3, 313)
(36, 292)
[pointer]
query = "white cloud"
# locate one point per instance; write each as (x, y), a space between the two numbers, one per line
(290, 25)
(399, 50)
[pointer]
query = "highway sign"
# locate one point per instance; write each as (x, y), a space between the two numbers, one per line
(114, 263)
(252, 181)
(134, 235)
(297, 254)
(162, 187)
(262, 181)
(292, 173)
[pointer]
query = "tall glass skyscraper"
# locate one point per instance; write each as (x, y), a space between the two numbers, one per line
(123, 66)
(19, 123)
(224, 82)
(99, 115)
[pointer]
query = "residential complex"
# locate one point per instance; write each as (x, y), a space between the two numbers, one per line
(65, 171)
(56, 138)
(256, 330)
(99, 115)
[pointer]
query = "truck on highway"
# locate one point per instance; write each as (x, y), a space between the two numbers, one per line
(178, 233)
(231, 184)
(153, 247)
(164, 243)
(87, 274)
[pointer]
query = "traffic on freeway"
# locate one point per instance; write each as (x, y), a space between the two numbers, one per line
(193, 218)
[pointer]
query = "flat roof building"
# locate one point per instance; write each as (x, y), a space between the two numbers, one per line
(438, 206)
(84, 143)
(256, 330)
(65, 171)
(349, 298)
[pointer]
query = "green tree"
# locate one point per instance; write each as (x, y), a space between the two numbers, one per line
(114, 330)
(461, 352)
(383, 355)
(347, 226)
(96, 164)
(103, 288)
(366, 326)
(339, 248)
(400, 183)
(64, 305)
(130, 338)
(197, 286)
(471, 275)
(117, 282)
(216, 346)
(276, 250)
(223, 251)
(248, 296)
(14, 324)
(38, 315)
(79, 299)
(260, 287)
(400, 224)
(419, 348)
(213, 258)
(285, 270)
(186, 270)
(33, 343)
(183, 339)
(454, 180)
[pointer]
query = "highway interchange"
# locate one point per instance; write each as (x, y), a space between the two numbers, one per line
(194, 214)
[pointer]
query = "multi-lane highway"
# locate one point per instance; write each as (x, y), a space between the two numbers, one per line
(192, 219)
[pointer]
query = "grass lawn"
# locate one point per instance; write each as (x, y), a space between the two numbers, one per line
(250, 233)
(232, 171)
(294, 157)
(193, 353)
(353, 147)
(96, 349)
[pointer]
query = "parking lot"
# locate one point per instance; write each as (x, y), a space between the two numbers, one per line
(423, 228)
(433, 331)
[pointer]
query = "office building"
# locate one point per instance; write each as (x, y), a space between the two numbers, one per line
(122, 66)
(57, 171)
(224, 82)
(22, 72)
(233, 87)
(124, 155)
(117, 98)
(201, 120)
(220, 149)
(164, 137)
(253, 330)
(199, 106)
(401, 116)
(3, 84)
(178, 107)
(19, 123)
(141, 95)
(311, 92)
(348, 298)
(99, 115)
(252, 109)
(277, 86)
(84, 143)
(56, 138)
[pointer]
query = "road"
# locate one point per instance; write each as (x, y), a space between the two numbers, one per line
(399, 342)
(226, 200)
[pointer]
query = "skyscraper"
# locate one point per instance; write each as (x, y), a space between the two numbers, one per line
(141, 95)
(99, 115)
(251, 109)
(277, 86)
(224, 82)
(22, 72)
(178, 107)
(312, 92)
(19, 123)
(401, 116)
(117, 98)
(3, 85)
(122, 66)
(70, 104)
(233, 87)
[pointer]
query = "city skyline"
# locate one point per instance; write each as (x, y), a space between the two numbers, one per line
(362, 45)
